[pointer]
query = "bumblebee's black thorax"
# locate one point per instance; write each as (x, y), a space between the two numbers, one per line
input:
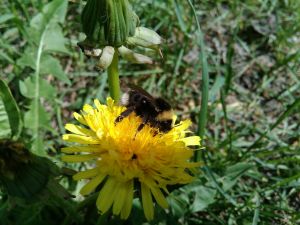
(155, 112)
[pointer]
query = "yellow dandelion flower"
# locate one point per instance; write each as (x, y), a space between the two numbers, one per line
(121, 155)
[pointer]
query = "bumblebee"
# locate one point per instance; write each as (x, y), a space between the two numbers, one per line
(156, 112)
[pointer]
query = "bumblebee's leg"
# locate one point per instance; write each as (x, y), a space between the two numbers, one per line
(155, 132)
(124, 114)
(141, 126)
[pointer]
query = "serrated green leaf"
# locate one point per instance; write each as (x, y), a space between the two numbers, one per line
(54, 12)
(228, 183)
(55, 40)
(42, 26)
(43, 116)
(10, 118)
(50, 65)
(178, 204)
(203, 198)
(35, 119)
(27, 88)
(38, 146)
(28, 58)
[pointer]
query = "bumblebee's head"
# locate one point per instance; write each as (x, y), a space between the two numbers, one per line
(162, 105)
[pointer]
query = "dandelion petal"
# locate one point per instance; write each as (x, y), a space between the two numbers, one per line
(79, 130)
(90, 148)
(125, 212)
(86, 174)
(79, 118)
(88, 108)
(106, 195)
(80, 139)
(159, 197)
(147, 202)
(120, 197)
(193, 140)
(78, 158)
(90, 186)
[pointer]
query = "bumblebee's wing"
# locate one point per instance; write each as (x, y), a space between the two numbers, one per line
(134, 90)
(138, 89)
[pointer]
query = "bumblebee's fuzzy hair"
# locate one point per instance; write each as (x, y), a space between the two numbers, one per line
(125, 99)
(165, 115)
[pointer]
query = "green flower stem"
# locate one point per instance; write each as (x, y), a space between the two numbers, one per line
(113, 78)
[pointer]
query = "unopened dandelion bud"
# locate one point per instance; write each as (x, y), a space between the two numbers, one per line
(108, 22)
(133, 56)
(106, 58)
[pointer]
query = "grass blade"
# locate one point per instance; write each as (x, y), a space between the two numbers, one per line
(256, 211)
(205, 82)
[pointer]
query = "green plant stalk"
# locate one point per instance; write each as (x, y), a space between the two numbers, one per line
(113, 78)
(205, 83)
(36, 134)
